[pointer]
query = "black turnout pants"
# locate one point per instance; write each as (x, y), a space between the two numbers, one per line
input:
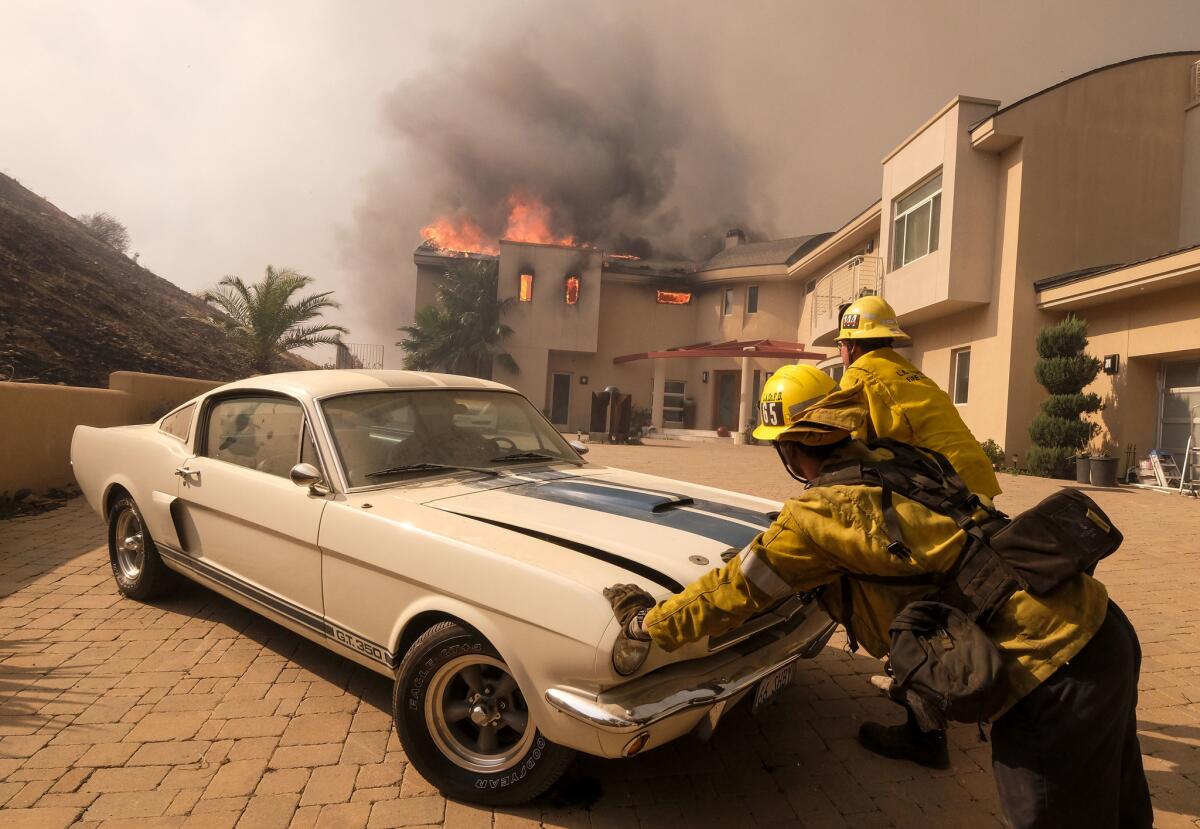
(1067, 754)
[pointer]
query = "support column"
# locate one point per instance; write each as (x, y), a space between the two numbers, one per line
(656, 395)
(744, 402)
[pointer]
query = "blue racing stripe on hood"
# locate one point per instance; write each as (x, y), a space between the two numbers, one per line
(614, 499)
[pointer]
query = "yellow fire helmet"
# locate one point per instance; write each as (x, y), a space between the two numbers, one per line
(786, 394)
(871, 318)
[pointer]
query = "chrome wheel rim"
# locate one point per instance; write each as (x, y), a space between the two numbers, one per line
(477, 716)
(131, 544)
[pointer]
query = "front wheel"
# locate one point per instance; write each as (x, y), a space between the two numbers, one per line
(464, 724)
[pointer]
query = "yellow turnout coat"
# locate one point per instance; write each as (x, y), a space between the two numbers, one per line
(828, 531)
(907, 406)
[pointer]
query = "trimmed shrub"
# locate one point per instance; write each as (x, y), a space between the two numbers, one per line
(1058, 432)
(1051, 461)
(994, 452)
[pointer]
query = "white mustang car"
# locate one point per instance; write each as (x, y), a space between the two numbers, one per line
(441, 532)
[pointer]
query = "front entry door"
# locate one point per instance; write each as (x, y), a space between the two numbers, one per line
(245, 524)
(727, 399)
(560, 399)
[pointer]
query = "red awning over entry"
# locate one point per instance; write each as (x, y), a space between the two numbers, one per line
(730, 348)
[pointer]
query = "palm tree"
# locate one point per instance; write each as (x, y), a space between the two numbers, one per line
(461, 333)
(267, 319)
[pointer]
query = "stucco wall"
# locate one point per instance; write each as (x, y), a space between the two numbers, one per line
(37, 421)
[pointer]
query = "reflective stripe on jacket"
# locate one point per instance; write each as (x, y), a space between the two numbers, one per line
(828, 531)
(907, 406)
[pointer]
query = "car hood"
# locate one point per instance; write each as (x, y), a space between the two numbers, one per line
(667, 532)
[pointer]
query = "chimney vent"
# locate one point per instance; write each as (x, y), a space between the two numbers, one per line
(734, 237)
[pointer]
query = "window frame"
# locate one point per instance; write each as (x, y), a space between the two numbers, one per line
(681, 395)
(191, 404)
(727, 302)
(200, 432)
(932, 233)
(955, 357)
(751, 307)
(523, 280)
(319, 408)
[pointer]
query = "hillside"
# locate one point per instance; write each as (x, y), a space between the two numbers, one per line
(73, 309)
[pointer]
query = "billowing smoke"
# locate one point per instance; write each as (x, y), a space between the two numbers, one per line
(627, 154)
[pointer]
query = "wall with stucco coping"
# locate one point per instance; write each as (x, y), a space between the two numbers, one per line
(37, 421)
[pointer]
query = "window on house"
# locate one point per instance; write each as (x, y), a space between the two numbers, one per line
(960, 362)
(572, 290)
(752, 299)
(673, 394)
(673, 297)
(526, 291)
(811, 286)
(916, 224)
(727, 303)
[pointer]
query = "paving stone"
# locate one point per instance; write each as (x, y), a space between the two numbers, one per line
(410, 811)
(329, 784)
(309, 729)
(52, 818)
(269, 811)
(344, 816)
(129, 805)
(235, 778)
(136, 779)
(179, 752)
(164, 725)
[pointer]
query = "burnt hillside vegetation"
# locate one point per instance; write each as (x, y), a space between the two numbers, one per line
(73, 309)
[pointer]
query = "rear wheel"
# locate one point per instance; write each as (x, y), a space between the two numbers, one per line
(464, 723)
(137, 568)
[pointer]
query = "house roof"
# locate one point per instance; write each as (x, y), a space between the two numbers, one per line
(1083, 273)
(774, 252)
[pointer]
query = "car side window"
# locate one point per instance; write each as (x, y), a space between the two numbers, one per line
(178, 424)
(308, 449)
(261, 433)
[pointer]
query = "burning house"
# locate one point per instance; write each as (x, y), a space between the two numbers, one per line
(690, 340)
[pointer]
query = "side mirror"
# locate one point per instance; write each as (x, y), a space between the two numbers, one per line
(305, 474)
(580, 448)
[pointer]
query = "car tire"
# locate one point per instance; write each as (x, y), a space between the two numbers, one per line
(137, 568)
(451, 687)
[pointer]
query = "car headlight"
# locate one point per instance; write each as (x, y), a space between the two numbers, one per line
(629, 655)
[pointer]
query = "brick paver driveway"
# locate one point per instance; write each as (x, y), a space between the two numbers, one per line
(195, 712)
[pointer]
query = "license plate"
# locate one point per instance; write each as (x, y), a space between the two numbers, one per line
(769, 686)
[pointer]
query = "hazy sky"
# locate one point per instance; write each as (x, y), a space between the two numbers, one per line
(230, 135)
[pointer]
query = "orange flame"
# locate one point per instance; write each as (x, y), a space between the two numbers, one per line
(457, 233)
(528, 221)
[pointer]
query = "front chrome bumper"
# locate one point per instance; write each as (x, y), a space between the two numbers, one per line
(710, 682)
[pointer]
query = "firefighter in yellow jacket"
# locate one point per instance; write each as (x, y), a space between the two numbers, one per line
(1070, 657)
(904, 404)
(907, 406)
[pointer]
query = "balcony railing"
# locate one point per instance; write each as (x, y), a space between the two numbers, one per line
(857, 277)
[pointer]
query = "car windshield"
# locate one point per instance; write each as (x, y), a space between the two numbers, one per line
(392, 436)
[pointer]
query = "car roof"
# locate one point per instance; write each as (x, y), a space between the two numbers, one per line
(324, 382)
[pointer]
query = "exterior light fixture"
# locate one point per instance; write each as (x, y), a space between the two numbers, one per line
(1112, 363)
(572, 290)
(583, 379)
(525, 294)
(704, 377)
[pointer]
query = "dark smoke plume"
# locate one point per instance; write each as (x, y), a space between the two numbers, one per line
(629, 154)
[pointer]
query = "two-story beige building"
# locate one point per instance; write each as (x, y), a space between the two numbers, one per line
(992, 222)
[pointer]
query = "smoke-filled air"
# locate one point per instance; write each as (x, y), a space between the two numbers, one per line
(559, 134)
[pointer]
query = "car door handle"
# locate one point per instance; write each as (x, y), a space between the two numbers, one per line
(188, 474)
